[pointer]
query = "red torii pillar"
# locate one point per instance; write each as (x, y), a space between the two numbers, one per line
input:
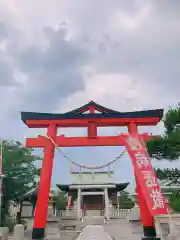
(40, 217)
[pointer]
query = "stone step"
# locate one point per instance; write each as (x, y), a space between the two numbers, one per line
(93, 220)
(95, 232)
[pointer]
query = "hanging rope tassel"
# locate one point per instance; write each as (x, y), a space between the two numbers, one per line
(80, 171)
(70, 168)
(92, 174)
(109, 171)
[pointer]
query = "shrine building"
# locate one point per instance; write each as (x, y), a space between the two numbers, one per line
(92, 193)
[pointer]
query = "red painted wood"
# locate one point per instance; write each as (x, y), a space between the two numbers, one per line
(80, 141)
(145, 175)
(146, 218)
(92, 130)
(101, 122)
(92, 126)
(45, 181)
(92, 109)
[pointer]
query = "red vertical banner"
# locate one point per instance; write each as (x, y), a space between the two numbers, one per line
(69, 201)
(145, 174)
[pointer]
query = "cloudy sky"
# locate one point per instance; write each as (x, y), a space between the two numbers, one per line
(57, 55)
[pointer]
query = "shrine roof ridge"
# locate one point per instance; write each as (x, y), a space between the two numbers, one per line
(118, 186)
(93, 104)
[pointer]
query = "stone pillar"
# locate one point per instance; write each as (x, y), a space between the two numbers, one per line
(55, 211)
(118, 199)
(79, 203)
(18, 232)
(4, 233)
(106, 203)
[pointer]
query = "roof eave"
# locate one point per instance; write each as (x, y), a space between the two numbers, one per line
(119, 186)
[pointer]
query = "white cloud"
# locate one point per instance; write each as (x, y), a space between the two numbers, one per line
(132, 24)
(58, 55)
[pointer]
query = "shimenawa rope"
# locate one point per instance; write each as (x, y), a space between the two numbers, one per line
(82, 165)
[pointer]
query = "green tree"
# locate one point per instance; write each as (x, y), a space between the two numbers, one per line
(168, 145)
(125, 201)
(175, 201)
(61, 200)
(173, 179)
(21, 174)
(168, 174)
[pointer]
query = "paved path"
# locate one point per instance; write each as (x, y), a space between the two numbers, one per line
(114, 230)
(94, 232)
(122, 230)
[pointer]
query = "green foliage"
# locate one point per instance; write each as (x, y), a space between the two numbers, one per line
(169, 174)
(125, 202)
(168, 145)
(173, 175)
(21, 175)
(175, 201)
(61, 200)
(172, 120)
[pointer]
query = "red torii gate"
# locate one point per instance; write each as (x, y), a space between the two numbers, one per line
(150, 199)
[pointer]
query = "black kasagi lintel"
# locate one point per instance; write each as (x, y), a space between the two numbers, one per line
(158, 113)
